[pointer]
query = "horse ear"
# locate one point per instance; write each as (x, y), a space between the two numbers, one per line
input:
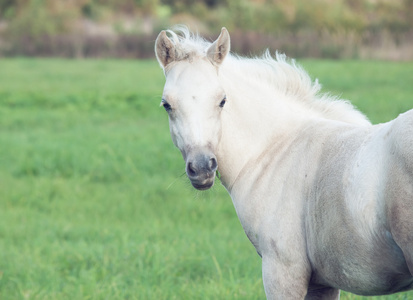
(220, 48)
(164, 49)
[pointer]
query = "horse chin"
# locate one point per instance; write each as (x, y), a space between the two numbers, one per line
(203, 186)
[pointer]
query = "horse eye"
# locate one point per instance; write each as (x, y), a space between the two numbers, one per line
(166, 105)
(223, 102)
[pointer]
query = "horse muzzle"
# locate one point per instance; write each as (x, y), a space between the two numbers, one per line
(201, 169)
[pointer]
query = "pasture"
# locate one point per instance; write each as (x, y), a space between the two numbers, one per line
(94, 203)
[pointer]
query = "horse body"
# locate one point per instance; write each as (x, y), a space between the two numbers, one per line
(352, 189)
(324, 196)
(332, 206)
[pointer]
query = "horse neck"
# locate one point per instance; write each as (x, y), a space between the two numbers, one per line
(254, 118)
(261, 113)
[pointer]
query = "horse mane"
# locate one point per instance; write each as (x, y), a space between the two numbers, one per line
(279, 72)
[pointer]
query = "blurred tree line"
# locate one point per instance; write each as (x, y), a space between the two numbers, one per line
(127, 28)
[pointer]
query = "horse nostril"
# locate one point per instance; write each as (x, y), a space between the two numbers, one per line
(191, 170)
(212, 164)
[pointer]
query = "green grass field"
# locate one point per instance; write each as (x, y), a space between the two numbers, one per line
(93, 200)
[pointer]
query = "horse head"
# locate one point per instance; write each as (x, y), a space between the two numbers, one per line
(194, 100)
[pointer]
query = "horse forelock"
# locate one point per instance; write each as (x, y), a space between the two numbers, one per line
(188, 45)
